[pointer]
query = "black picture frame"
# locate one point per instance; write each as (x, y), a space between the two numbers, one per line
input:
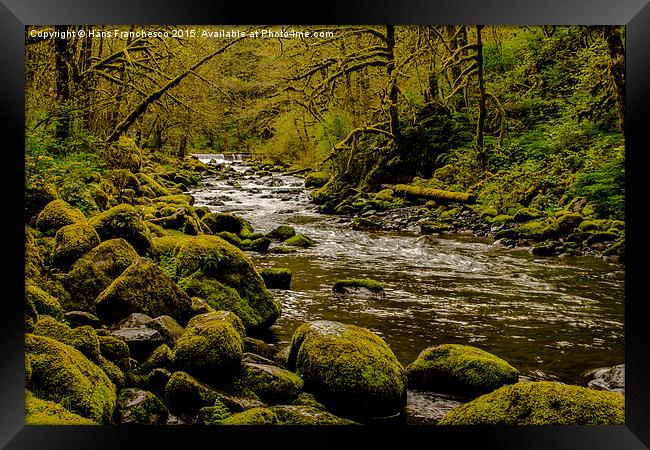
(635, 14)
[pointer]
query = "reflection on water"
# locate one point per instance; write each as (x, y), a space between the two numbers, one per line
(552, 318)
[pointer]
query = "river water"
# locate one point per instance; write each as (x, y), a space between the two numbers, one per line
(553, 318)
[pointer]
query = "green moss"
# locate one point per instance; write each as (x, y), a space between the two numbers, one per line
(459, 369)
(123, 221)
(113, 372)
(37, 195)
(306, 415)
(82, 338)
(212, 415)
(218, 222)
(343, 286)
(349, 369)
(273, 385)
(282, 233)
(254, 416)
(316, 179)
(501, 218)
(527, 214)
(156, 230)
(220, 297)
(539, 229)
(57, 214)
(143, 288)
(42, 302)
(385, 195)
(540, 403)
(228, 265)
(617, 249)
(595, 225)
(62, 374)
(72, 242)
(34, 257)
(260, 245)
(212, 346)
(299, 240)
(282, 250)
(115, 350)
(429, 227)
(162, 357)
(276, 278)
(186, 394)
(178, 199)
(231, 238)
(43, 412)
(567, 221)
(136, 406)
(150, 187)
(202, 211)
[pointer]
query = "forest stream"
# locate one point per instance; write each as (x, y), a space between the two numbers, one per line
(553, 318)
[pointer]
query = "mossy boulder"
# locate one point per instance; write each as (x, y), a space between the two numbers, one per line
(359, 286)
(282, 250)
(72, 242)
(37, 195)
(115, 350)
(57, 214)
(307, 415)
(316, 179)
(254, 416)
(95, 271)
(459, 369)
(282, 233)
(83, 338)
(231, 238)
(123, 221)
(385, 195)
(539, 229)
(540, 403)
(43, 412)
(62, 374)
(276, 278)
(143, 288)
(212, 415)
(299, 240)
(137, 406)
(218, 222)
(567, 221)
(431, 227)
(220, 297)
(162, 357)
(260, 245)
(272, 384)
(42, 302)
(184, 394)
(223, 262)
(212, 347)
(527, 214)
(349, 369)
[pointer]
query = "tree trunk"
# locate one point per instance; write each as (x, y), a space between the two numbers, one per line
(392, 77)
(617, 70)
(482, 111)
(63, 81)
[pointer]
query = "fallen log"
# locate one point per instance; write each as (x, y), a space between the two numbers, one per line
(409, 191)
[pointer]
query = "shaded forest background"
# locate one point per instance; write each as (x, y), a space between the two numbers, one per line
(518, 116)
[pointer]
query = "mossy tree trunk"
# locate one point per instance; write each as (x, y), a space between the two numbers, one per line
(482, 110)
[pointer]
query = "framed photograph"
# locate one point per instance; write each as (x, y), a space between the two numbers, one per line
(390, 223)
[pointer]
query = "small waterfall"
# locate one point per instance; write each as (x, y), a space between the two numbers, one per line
(220, 158)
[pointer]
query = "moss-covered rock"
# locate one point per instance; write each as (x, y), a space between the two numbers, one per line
(168, 327)
(363, 286)
(299, 240)
(459, 369)
(282, 233)
(272, 384)
(617, 249)
(539, 229)
(307, 415)
(156, 230)
(212, 347)
(282, 250)
(83, 338)
(527, 214)
(212, 415)
(316, 179)
(162, 357)
(547, 248)
(43, 412)
(57, 214)
(62, 374)
(123, 221)
(254, 416)
(72, 242)
(260, 245)
(540, 403)
(115, 350)
(231, 238)
(143, 288)
(37, 195)
(218, 222)
(567, 221)
(225, 263)
(140, 407)
(185, 394)
(431, 227)
(95, 271)
(276, 278)
(42, 302)
(385, 195)
(150, 187)
(501, 218)
(349, 369)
